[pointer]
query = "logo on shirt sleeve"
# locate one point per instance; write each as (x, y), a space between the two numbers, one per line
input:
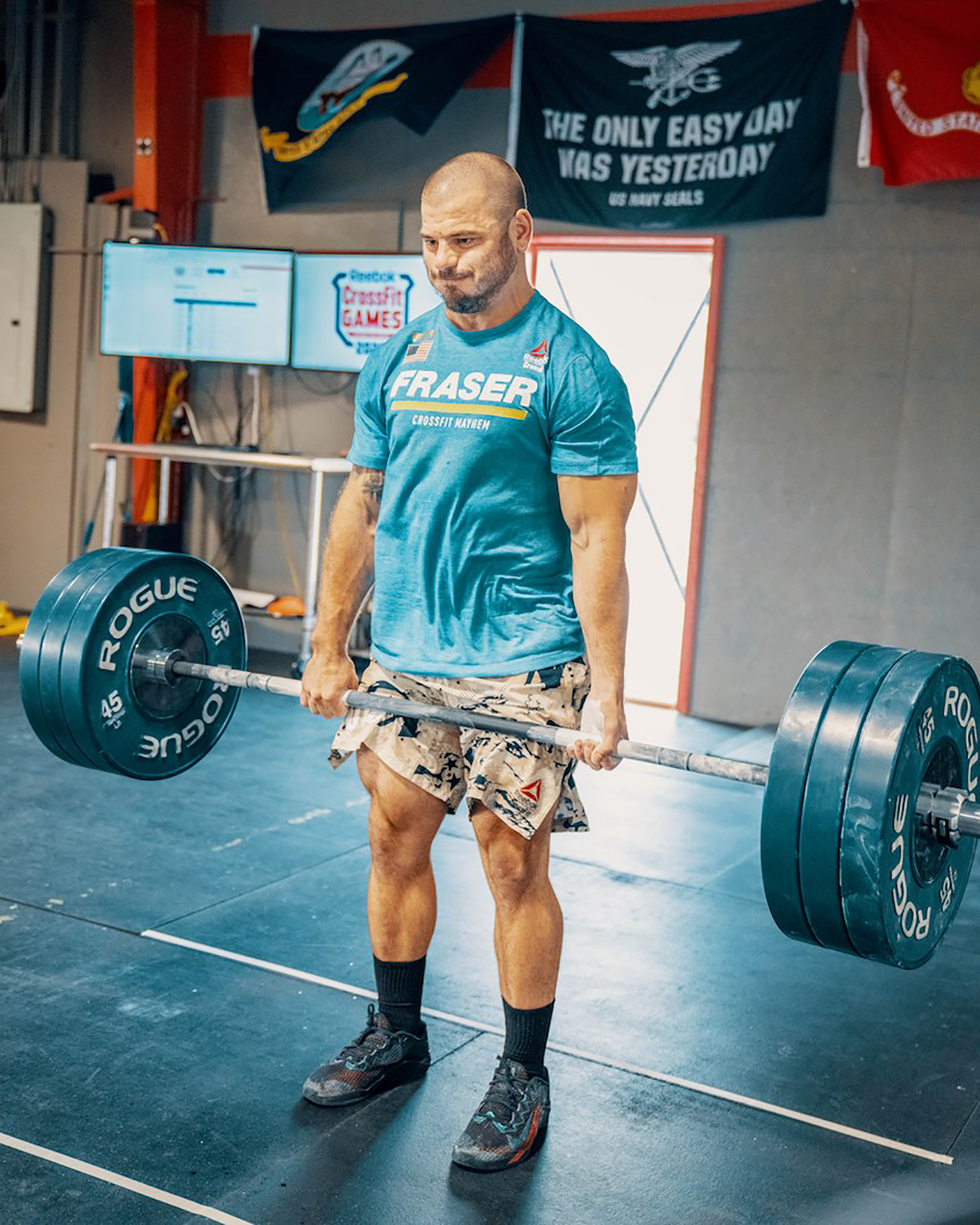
(537, 358)
(420, 347)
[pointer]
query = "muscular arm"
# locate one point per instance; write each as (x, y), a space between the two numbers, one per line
(347, 573)
(595, 509)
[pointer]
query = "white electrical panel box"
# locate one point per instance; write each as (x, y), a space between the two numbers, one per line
(24, 243)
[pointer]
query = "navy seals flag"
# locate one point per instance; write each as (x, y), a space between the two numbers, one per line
(311, 87)
(662, 125)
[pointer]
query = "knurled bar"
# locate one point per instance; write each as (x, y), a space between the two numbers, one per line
(948, 812)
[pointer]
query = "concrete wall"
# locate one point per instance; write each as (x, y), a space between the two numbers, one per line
(105, 119)
(840, 500)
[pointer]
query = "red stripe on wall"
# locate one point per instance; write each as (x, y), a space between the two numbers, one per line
(494, 73)
(227, 66)
(693, 12)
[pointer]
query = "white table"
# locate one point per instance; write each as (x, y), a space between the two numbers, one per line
(218, 457)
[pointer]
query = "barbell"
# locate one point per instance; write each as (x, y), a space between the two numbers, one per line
(132, 662)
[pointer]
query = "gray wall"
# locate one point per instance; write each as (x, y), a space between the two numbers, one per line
(845, 418)
(840, 501)
(105, 118)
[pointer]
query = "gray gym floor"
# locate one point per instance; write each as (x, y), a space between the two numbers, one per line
(707, 1069)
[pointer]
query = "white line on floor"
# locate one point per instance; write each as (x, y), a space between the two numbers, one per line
(664, 1077)
(120, 1180)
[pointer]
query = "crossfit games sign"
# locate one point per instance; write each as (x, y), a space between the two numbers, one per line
(347, 305)
(680, 124)
(370, 306)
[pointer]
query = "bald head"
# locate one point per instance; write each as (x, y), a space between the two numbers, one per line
(494, 179)
(475, 232)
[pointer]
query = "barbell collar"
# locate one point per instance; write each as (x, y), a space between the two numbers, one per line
(948, 814)
(159, 665)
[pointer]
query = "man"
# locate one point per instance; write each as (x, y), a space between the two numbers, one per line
(493, 461)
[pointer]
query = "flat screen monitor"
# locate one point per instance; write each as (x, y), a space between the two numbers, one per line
(213, 304)
(346, 305)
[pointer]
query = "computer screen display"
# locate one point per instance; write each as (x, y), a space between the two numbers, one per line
(346, 305)
(216, 304)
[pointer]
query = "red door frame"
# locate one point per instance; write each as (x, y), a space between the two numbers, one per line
(715, 246)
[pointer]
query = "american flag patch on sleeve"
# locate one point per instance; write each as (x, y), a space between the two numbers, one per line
(420, 346)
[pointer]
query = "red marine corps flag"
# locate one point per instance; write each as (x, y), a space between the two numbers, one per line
(919, 66)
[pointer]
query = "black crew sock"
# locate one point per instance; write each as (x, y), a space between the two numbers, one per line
(527, 1036)
(399, 986)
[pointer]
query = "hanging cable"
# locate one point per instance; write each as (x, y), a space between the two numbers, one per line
(324, 392)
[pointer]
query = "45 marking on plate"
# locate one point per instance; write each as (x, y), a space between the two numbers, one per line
(925, 729)
(113, 710)
(948, 887)
(220, 626)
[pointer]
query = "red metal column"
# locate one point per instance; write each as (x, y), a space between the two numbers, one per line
(168, 40)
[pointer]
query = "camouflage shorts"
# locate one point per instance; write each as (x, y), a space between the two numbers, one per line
(520, 780)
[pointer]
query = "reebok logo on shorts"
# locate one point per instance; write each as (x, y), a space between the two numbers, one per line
(454, 763)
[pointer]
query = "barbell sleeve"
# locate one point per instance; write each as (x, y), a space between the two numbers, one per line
(161, 668)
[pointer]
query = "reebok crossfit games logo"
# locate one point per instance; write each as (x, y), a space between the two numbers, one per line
(537, 358)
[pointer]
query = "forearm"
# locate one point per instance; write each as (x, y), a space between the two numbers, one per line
(348, 564)
(601, 593)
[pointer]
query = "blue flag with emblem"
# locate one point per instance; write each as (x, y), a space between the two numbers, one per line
(311, 88)
(680, 124)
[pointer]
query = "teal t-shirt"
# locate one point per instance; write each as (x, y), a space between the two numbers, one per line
(473, 564)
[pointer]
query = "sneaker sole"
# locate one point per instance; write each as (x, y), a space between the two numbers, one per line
(510, 1163)
(400, 1074)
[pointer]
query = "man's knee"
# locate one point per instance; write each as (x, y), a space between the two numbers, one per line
(515, 866)
(399, 848)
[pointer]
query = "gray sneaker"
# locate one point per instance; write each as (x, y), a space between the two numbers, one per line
(510, 1122)
(378, 1058)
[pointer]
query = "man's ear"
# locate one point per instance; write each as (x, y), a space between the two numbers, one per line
(521, 229)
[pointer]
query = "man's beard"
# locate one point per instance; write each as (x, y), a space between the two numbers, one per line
(494, 277)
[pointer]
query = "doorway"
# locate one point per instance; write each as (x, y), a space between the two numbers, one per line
(652, 303)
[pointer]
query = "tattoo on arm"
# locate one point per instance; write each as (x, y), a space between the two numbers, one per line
(372, 481)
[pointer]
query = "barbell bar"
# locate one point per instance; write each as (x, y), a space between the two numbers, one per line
(949, 809)
(163, 667)
(132, 663)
